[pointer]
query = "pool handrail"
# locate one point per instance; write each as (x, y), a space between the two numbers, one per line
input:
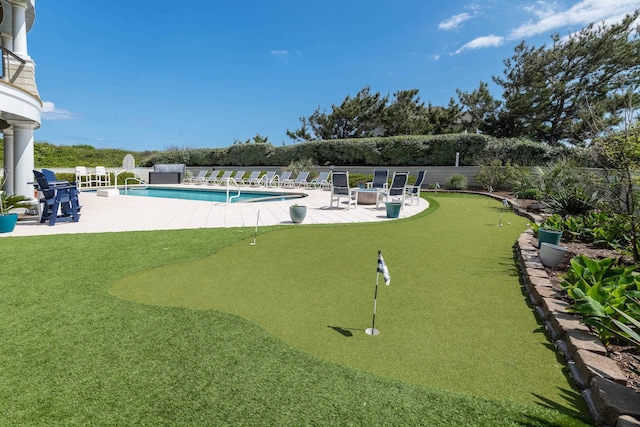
(230, 181)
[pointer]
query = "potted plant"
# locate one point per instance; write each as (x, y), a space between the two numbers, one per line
(8, 219)
(297, 213)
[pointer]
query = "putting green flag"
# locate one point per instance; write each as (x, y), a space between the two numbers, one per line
(382, 268)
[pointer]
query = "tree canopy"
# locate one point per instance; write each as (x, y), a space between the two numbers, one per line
(371, 114)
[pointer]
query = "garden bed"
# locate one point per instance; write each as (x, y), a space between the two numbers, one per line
(621, 354)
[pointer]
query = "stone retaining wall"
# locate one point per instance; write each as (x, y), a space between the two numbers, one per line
(602, 383)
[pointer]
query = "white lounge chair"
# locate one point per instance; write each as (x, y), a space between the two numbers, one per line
(212, 178)
(300, 181)
(222, 180)
(284, 177)
(237, 178)
(269, 179)
(198, 179)
(340, 189)
(322, 181)
(253, 178)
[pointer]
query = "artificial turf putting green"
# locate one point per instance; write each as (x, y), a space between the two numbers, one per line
(454, 316)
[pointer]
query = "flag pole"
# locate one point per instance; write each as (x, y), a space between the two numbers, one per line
(255, 232)
(372, 330)
(382, 268)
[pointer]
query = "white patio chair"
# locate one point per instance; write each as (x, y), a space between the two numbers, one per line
(340, 189)
(413, 191)
(397, 191)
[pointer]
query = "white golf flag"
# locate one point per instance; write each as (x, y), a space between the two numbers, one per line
(382, 268)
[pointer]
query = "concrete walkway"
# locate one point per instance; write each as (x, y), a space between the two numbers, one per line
(134, 213)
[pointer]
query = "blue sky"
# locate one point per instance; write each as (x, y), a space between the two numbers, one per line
(149, 75)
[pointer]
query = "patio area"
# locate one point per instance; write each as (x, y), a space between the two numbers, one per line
(133, 213)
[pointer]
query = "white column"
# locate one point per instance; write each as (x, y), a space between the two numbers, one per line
(7, 41)
(8, 159)
(23, 159)
(19, 20)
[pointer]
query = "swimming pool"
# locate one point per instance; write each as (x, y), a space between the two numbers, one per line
(220, 196)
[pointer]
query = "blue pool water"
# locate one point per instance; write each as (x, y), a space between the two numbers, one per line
(219, 196)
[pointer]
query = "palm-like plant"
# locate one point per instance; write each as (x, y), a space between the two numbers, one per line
(8, 202)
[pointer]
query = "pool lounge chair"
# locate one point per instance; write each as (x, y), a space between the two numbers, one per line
(397, 191)
(322, 181)
(300, 181)
(284, 177)
(253, 178)
(198, 179)
(237, 178)
(212, 178)
(413, 191)
(340, 189)
(222, 180)
(269, 179)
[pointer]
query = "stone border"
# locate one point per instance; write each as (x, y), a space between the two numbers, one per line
(602, 383)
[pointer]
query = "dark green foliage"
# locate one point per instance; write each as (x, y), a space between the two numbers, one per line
(529, 193)
(572, 202)
(457, 182)
(555, 93)
(599, 228)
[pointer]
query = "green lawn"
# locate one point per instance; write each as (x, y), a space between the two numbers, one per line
(209, 330)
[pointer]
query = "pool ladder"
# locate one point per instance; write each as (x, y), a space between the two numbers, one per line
(230, 197)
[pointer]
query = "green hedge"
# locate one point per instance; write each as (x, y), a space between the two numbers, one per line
(413, 150)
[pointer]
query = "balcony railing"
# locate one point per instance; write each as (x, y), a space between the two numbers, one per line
(7, 70)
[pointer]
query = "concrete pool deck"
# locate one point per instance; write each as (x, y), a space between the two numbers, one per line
(134, 213)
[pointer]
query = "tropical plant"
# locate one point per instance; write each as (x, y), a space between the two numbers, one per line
(599, 289)
(10, 202)
(571, 202)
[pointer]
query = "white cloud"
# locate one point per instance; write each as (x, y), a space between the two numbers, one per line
(550, 18)
(435, 56)
(280, 53)
(480, 42)
(454, 21)
(50, 112)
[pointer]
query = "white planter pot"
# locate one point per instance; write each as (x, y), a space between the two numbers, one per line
(551, 255)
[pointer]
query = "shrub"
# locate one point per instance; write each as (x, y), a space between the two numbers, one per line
(495, 175)
(457, 182)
